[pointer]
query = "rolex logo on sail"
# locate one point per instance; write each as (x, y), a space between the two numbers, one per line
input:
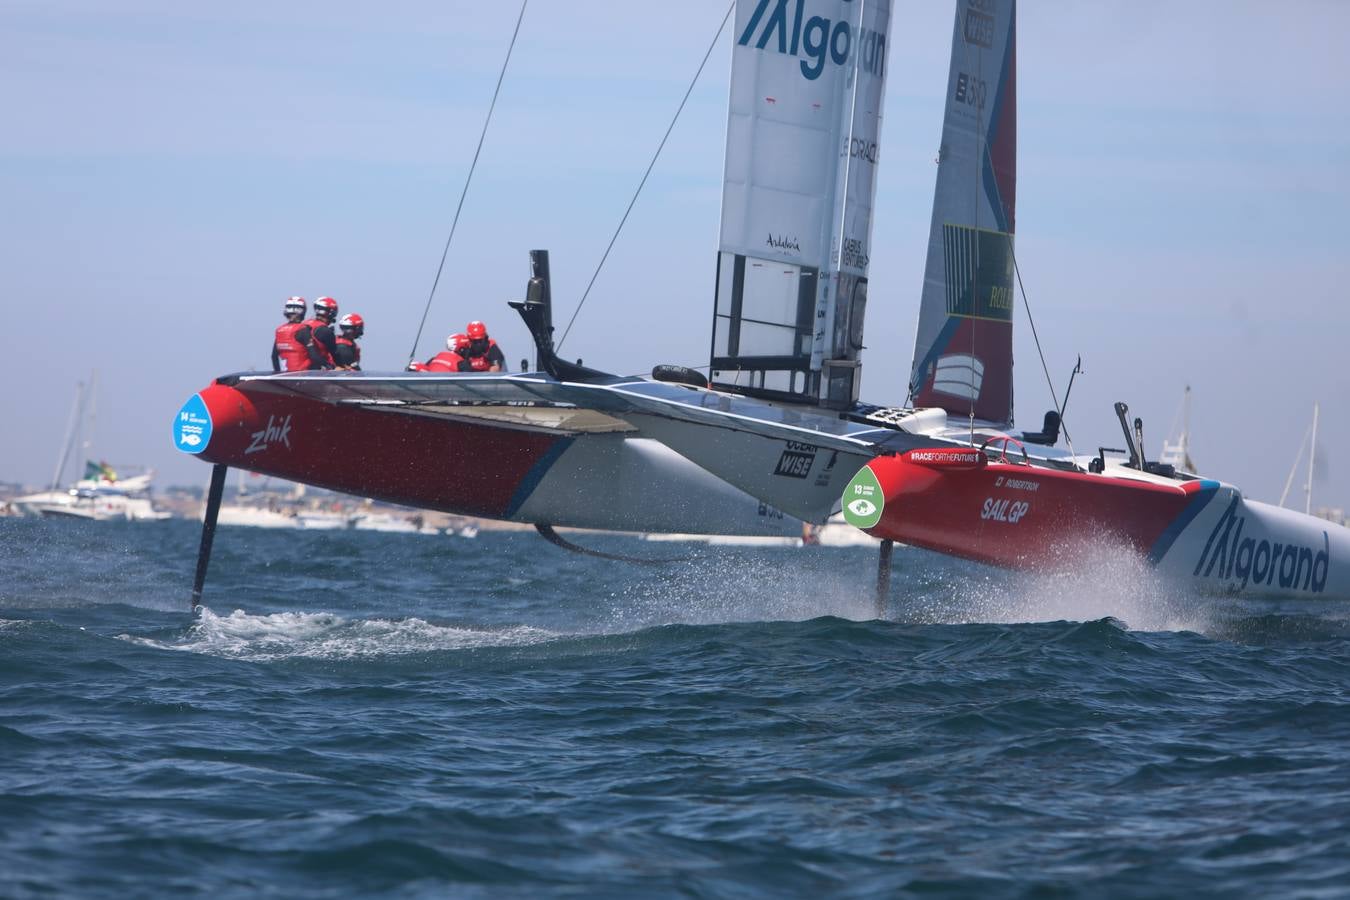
(817, 38)
(1228, 556)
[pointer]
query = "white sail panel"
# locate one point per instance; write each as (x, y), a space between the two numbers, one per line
(802, 145)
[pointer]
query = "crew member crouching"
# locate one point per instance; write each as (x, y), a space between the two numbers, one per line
(450, 359)
(483, 354)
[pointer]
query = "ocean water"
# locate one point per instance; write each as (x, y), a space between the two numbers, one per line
(360, 714)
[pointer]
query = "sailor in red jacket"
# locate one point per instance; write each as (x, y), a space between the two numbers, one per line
(291, 347)
(448, 360)
(483, 354)
(322, 340)
(348, 352)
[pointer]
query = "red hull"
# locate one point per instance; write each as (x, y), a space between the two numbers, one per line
(417, 461)
(956, 502)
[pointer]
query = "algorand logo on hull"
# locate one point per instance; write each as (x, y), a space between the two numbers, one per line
(818, 38)
(1228, 556)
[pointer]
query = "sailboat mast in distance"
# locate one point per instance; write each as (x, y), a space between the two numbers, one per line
(963, 344)
(803, 143)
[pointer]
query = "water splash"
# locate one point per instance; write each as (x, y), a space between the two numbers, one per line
(298, 635)
(1100, 580)
(723, 586)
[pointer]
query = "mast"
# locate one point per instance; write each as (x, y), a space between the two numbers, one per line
(1186, 431)
(76, 416)
(87, 426)
(1309, 435)
(1312, 454)
(803, 129)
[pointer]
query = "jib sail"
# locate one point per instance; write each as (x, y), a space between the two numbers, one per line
(963, 346)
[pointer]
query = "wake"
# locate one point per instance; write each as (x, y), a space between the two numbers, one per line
(301, 635)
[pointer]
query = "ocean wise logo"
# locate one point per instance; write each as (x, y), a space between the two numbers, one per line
(819, 39)
(1228, 556)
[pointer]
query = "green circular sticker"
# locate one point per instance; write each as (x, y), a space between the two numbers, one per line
(862, 500)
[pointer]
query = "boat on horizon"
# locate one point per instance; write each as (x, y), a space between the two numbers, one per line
(102, 493)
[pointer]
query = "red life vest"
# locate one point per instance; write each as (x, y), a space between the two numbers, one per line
(356, 350)
(482, 363)
(294, 355)
(314, 325)
(445, 361)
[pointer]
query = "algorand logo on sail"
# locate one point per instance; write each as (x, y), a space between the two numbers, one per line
(1228, 556)
(818, 38)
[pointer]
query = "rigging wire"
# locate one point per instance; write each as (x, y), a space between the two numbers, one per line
(986, 154)
(412, 354)
(650, 166)
(1054, 396)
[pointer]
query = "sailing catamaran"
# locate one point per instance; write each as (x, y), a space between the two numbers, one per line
(570, 446)
(778, 426)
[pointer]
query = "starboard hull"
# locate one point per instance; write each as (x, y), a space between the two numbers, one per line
(1199, 532)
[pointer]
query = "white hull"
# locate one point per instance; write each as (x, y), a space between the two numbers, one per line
(385, 522)
(1243, 547)
(255, 517)
(97, 508)
(324, 521)
(754, 464)
(635, 484)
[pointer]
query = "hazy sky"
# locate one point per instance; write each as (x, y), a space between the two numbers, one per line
(170, 173)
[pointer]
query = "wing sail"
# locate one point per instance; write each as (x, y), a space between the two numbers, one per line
(807, 88)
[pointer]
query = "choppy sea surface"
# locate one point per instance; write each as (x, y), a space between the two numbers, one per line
(363, 714)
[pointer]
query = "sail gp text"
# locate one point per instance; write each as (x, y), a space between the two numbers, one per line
(276, 431)
(818, 38)
(1010, 511)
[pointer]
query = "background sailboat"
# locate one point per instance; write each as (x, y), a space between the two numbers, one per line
(101, 494)
(1178, 453)
(1309, 443)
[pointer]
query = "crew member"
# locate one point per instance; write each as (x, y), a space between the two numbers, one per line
(450, 359)
(323, 344)
(483, 354)
(348, 352)
(290, 349)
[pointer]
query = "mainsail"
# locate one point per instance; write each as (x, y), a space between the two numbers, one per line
(807, 87)
(963, 347)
